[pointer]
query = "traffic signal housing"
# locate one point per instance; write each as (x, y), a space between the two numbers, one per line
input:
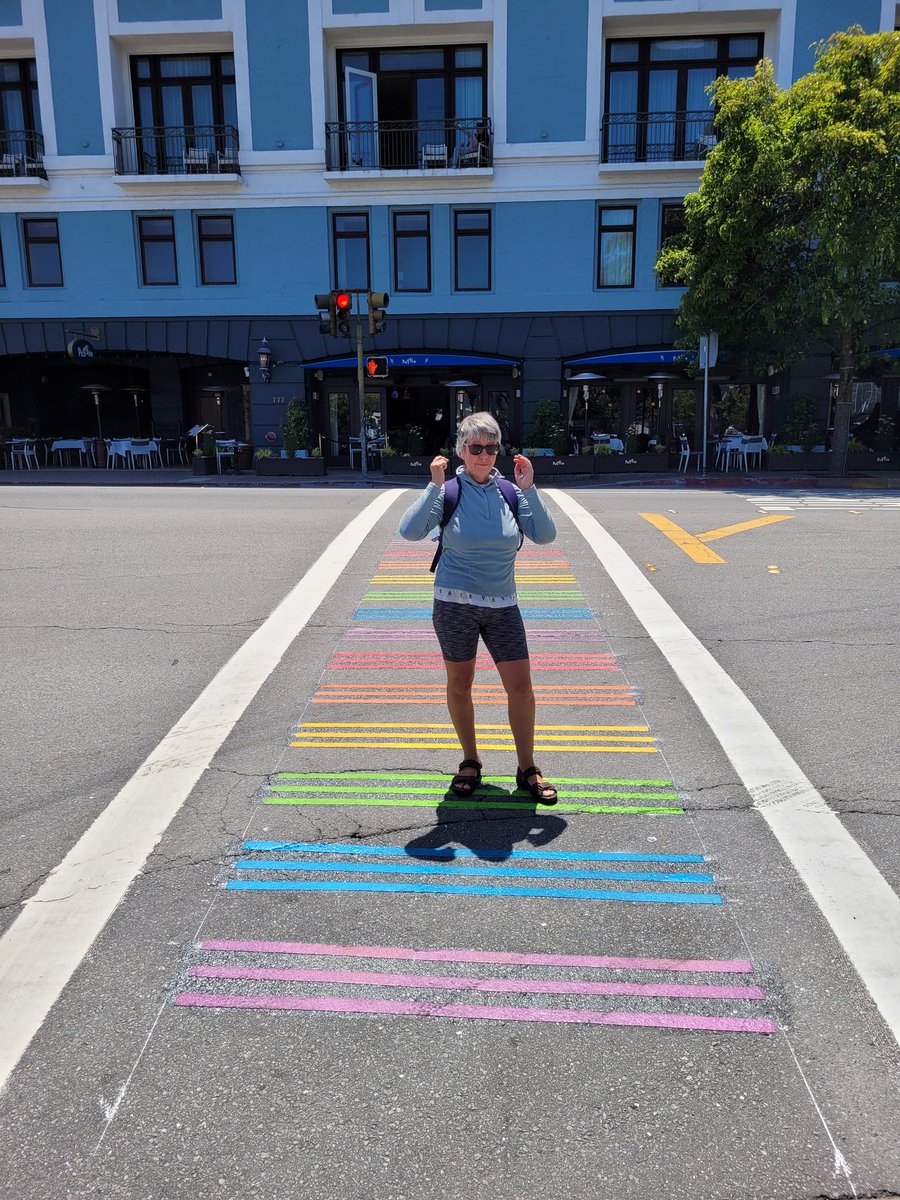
(377, 367)
(327, 312)
(378, 302)
(343, 307)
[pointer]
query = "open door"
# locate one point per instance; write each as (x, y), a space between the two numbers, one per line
(361, 104)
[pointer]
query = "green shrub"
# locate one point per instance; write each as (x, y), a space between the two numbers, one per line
(289, 441)
(547, 429)
(296, 421)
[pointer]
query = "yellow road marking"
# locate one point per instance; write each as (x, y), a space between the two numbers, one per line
(451, 742)
(694, 545)
(773, 570)
(685, 541)
(446, 725)
(728, 530)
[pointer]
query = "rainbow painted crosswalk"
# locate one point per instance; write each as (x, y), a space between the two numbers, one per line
(376, 737)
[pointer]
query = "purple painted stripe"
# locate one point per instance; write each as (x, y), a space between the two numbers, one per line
(551, 987)
(496, 957)
(484, 1012)
(425, 635)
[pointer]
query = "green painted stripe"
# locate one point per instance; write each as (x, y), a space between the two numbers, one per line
(519, 805)
(358, 777)
(416, 791)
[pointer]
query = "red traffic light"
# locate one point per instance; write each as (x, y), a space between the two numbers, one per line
(343, 301)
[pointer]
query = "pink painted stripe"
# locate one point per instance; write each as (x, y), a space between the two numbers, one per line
(418, 1008)
(496, 957)
(550, 987)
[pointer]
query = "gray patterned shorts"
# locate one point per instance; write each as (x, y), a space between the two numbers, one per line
(458, 626)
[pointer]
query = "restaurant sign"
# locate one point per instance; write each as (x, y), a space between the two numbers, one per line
(81, 351)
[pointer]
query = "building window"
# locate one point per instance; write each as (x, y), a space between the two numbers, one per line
(472, 250)
(42, 257)
(412, 252)
(615, 247)
(411, 106)
(158, 262)
(19, 108)
(215, 237)
(672, 226)
(657, 109)
(351, 249)
(184, 89)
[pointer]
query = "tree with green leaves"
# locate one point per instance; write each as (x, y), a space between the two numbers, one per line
(793, 237)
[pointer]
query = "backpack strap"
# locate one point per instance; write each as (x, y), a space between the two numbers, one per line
(451, 500)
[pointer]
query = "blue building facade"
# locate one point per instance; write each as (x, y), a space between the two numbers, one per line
(178, 179)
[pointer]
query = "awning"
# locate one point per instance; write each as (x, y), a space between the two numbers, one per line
(419, 360)
(632, 356)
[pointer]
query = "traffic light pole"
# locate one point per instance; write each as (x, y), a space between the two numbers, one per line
(361, 386)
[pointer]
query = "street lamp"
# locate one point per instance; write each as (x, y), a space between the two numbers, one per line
(264, 357)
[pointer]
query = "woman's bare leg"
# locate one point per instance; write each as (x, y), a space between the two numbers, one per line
(460, 676)
(516, 676)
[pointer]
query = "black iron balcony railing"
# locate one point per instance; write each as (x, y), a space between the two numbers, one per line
(462, 143)
(177, 150)
(21, 153)
(656, 137)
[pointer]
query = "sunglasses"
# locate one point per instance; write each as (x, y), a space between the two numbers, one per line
(492, 450)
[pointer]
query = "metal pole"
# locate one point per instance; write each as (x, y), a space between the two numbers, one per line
(705, 408)
(361, 385)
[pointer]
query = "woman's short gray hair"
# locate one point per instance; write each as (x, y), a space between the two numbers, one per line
(474, 426)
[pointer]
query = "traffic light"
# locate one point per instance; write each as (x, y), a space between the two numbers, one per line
(377, 367)
(378, 302)
(343, 307)
(327, 312)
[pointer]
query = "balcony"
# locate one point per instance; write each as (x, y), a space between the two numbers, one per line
(460, 144)
(656, 137)
(165, 150)
(22, 155)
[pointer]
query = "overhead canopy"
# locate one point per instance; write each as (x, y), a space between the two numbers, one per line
(421, 359)
(622, 357)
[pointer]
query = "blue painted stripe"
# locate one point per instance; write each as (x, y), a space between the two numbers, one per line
(483, 853)
(364, 868)
(444, 889)
(424, 614)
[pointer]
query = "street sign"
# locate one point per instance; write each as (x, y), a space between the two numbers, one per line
(81, 351)
(709, 349)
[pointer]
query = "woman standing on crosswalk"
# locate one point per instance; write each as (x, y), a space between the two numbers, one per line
(483, 519)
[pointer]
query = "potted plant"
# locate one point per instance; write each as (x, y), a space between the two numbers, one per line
(268, 464)
(204, 460)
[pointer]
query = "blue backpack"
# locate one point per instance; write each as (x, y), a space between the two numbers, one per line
(451, 500)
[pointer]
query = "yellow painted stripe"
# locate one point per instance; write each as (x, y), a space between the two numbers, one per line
(728, 530)
(301, 735)
(483, 746)
(692, 546)
(445, 725)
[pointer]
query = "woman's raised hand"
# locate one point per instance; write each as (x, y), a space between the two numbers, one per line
(523, 472)
(439, 466)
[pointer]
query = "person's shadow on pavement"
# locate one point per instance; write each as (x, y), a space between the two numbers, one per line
(490, 833)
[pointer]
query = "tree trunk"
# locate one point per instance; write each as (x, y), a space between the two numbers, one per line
(840, 435)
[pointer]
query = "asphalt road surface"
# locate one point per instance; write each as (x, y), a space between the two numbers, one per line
(249, 949)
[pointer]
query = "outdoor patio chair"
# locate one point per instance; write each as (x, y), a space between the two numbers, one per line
(25, 450)
(687, 454)
(753, 447)
(144, 449)
(433, 155)
(196, 160)
(224, 449)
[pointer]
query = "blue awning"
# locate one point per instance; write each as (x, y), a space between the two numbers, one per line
(895, 353)
(396, 361)
(623, 357)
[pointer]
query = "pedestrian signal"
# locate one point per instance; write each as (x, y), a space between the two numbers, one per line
(377, 367)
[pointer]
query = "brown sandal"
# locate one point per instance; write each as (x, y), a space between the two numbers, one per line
(544, 793)
(466, 785)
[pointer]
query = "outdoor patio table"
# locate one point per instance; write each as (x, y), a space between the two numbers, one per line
(65, 446)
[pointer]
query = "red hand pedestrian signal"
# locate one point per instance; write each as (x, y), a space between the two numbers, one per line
(377, 367)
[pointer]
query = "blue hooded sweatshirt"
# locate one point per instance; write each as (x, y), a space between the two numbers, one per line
(482, 536)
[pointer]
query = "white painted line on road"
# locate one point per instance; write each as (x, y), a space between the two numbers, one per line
(855, 898)
(57, 926)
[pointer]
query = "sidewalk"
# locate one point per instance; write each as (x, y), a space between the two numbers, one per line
(184, 477)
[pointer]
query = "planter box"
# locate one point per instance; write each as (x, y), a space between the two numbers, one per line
(643, 462)
(878, 460)
(290, 466)
(564, 464)
(406, 464)
(800, 462)
(205, 465)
